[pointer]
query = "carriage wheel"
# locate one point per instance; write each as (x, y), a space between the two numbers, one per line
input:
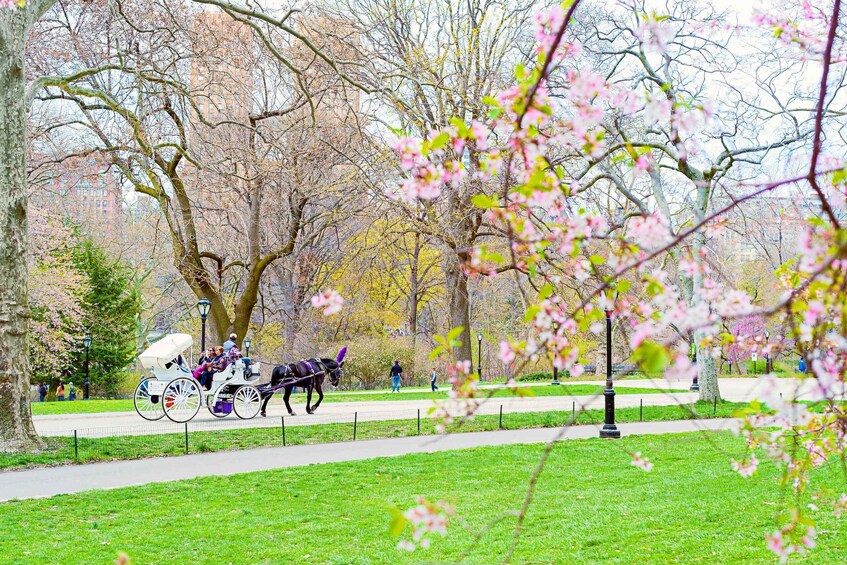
(182, 399)
(246, 402)
(148, 407)
(210, 404)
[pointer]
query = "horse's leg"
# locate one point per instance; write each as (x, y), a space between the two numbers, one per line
(286, 397)
(309, 397)
(265, 401)
(320, 391)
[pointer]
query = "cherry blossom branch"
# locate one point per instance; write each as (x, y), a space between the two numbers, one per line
(817, 144)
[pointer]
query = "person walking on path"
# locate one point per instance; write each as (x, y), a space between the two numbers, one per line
(71, 391)
(60, 392)
(432, 380)
(396, 373)
(42, 392)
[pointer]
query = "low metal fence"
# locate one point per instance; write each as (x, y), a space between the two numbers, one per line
(164, 438)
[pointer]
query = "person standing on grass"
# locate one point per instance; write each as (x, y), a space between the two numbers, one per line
(396, 373)
(432, 380)
(71, 391)
(60, 391)
(42, 392)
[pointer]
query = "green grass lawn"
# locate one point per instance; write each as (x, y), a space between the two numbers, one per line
(61, 450)
(591, 507)
(94, 406)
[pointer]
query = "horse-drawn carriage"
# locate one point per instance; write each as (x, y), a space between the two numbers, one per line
(172, 391)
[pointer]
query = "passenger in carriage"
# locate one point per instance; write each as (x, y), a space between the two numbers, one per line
(206, 368)
(221, 361)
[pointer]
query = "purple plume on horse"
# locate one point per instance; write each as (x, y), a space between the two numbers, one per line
(341, 354)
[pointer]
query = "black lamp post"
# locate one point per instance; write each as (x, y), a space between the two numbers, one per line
(767, 353)
(247, 342)
(695, 385)
(203, 306)
(86, 342)
(610, 430)
(555, 368)
(479, 354)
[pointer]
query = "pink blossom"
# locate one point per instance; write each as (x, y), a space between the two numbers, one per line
(330, 300)
(480, 134)
(426, 518)
(547, 24)
(507, 354)
(650, 232)
(681, 369)
(658, 109)
(586, 85)
(642, 463)
(406, 545)
(628, 101)
(642, 332)
(426, 182)
(409, 149)
(11, 4)
(746, 468)
(775, 544)
(655, 34)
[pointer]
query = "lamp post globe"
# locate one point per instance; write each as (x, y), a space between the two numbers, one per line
(479, 354)
(86, 342)
(203, 306)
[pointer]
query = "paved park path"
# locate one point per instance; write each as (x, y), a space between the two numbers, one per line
(130, 423)
(39, 483)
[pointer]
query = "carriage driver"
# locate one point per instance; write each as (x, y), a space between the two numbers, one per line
(230, 343)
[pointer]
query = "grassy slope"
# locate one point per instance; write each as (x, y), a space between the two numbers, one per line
(92, 406)
(591, 506)
(61, 450)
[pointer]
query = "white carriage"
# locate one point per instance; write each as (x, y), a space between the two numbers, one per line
(173, 391)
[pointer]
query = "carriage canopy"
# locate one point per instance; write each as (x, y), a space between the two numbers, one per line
(165, 350)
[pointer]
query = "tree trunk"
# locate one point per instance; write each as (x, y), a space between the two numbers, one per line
(414, 291)
(17, 432)
(707, 375)
(459, 304)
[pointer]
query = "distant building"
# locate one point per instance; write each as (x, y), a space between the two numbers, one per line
(765, 228)
(222, 67)
(85, 190)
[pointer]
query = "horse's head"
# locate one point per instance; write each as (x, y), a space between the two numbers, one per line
(335, 373)
(334, 368)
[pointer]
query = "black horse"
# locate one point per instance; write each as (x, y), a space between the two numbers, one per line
(309, 374)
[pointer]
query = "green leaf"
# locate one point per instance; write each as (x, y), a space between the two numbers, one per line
(397, 523)
(455, 333)
(531, 312)
(651, 356)
(490, 101)
(520, 72)
(439, 141)
(597, 260)
(485, 201)
(436, 352)
(545, 292)
(623, 286)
